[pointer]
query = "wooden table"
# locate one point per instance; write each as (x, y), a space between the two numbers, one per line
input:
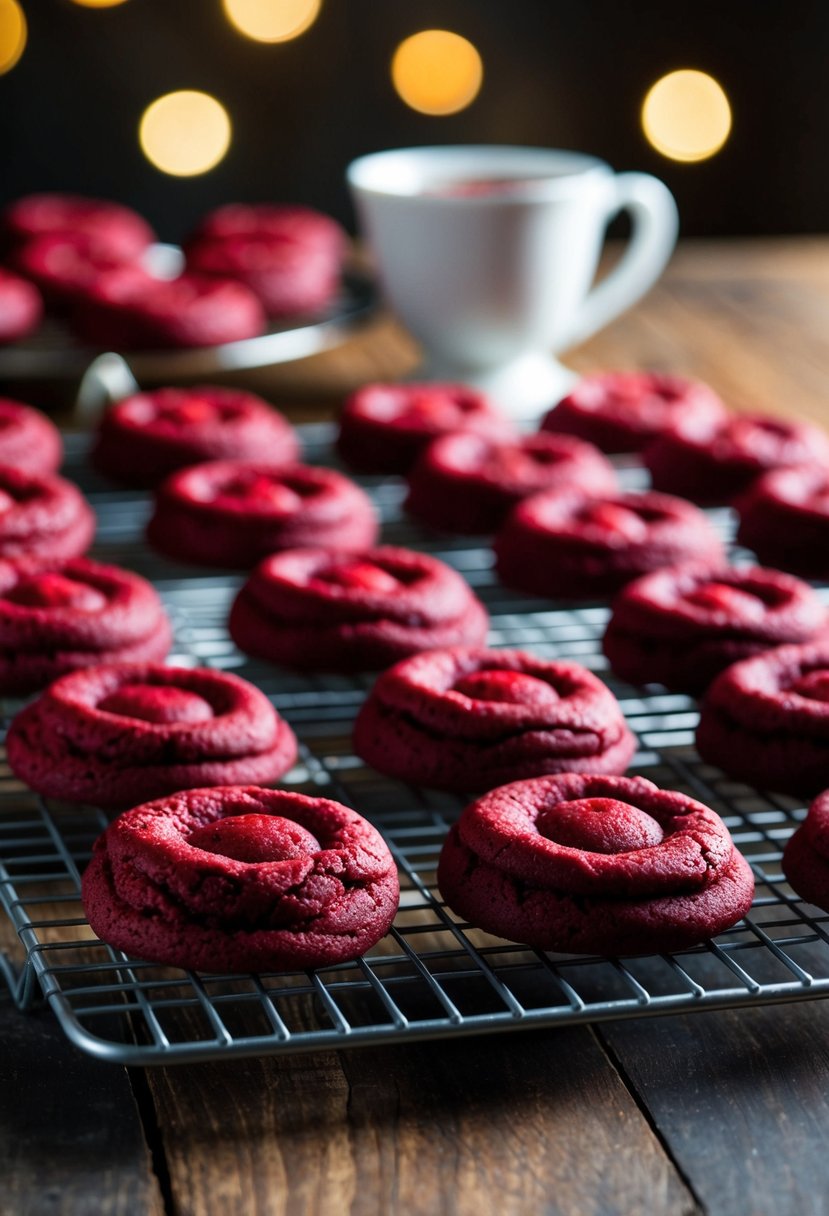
(718, 1112)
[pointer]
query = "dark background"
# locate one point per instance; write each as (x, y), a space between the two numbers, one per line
(563, 73)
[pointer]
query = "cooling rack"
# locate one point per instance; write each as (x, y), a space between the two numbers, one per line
(433, 976)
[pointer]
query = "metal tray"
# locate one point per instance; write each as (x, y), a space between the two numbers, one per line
(433, 976)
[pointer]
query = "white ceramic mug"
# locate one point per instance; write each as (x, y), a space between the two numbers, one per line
(488, 255)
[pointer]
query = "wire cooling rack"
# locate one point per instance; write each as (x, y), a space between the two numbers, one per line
(433, 976)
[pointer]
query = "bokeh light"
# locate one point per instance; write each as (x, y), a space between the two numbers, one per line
(13, 34)
(686, 115)
(437, 72)
(185, 133)
(272, 20)
(98, 3)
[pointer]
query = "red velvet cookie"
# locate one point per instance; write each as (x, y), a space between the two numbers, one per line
(43, 519)
(471, 719)
(385, 427)
(72, 615)
(565, 545)
(681, 627)
(326, 611)
(29, 442)
(287, 276)
(595, 865)
(714, 460)
(784, 518)
(624, 411)
(241, 879)
(144, 438)
(229, 513)
(114, 231)
(128, 309)
(806, 855)
(765, 720)
(67, 268)
(468, 483)
(21, 308)
(117, 735)
(303, 225)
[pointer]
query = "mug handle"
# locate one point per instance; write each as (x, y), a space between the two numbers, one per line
(655, 228)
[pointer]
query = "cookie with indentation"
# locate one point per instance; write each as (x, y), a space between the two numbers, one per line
(594, 864)
(144, 438)
(765, 720)
(232, 513)
(385, 427)
(329, 611)
(71, 615)
(806, 855)
(471, 719)
(784, 518)
(241, 879)
(563, 544)
(117, 735)
(43, 518)
(110, 229)
(625, 411)
(468, 483)
(129, 309)
(681, 627)
(21, 308)
(715, 460)
(29, 442)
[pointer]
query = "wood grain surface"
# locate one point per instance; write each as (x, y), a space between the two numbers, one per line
(720, 1113)
(537, 1123)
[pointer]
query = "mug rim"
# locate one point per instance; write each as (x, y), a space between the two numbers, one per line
(585, 166)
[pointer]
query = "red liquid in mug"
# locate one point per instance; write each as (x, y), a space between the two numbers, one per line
(471, 187)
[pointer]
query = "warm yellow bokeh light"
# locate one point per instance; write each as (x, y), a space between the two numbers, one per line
(437, 72)
(272, 20)
(98, 3)
(686, 115)
(12, 34)
(185, 133)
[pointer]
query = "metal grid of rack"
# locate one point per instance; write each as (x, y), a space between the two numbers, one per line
(433, 975)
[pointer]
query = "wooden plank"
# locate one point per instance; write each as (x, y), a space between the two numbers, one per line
(534, 1123)
(742, 1098)
(71, 1142)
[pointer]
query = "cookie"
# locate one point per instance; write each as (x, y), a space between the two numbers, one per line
(806, 855)
(230, 513)
(322, 610)
(471, 719)
(625, 411)
(112, 230)
(765, 720)
(595, 865)
(302, 225)
(43, 518)
(72, 615)
(21, 308)
(681, 627)
(715, 460)
(130, 310)
(784, 518)
(468, 483)
(144, 438)
(117, 735)
(563, 544)
(66, 268)
(241, 879)
(288, 277)
(385, 427)
(29, 442)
